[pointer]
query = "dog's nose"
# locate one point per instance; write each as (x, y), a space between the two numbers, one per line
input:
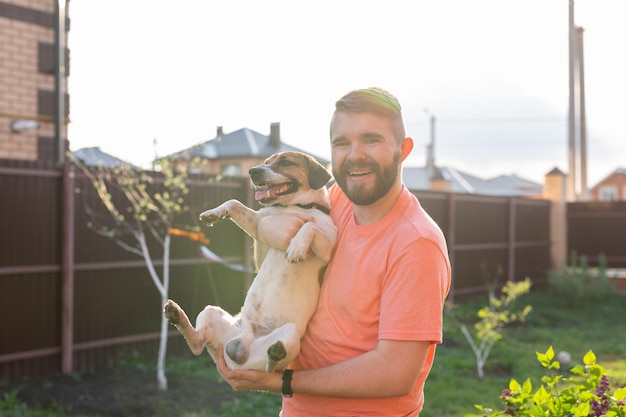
(255, 173)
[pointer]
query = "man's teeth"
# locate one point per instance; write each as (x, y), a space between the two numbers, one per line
(359, 172)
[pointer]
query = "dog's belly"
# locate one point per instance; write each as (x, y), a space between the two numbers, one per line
(282, 292)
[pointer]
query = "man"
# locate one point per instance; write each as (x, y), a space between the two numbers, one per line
(371, 343)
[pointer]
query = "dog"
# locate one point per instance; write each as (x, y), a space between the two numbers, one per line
(283, 296)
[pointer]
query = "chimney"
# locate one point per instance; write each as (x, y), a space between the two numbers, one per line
(275, 135)
(220, 131)
(438, 182)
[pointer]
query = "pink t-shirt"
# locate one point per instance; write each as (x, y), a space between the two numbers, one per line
(387, 281)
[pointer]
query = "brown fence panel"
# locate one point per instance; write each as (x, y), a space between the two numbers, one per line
(598, 227)
(491, 239)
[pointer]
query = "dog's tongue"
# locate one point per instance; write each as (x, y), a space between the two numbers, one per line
(260, 195)
(271, 192)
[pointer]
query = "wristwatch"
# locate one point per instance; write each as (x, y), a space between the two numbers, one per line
(287, 393)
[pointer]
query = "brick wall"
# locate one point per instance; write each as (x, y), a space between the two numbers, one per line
(27, 80)
(616, 181)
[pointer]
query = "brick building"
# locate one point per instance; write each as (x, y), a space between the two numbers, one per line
(28, 80)
(611, 188)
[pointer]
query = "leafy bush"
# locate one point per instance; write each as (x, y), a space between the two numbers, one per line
(585, 394)
(578, 282)
(493, 318)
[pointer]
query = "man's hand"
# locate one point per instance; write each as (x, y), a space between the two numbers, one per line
(248, 380)
(277, 231)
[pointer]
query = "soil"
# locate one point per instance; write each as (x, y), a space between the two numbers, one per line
(124, 392)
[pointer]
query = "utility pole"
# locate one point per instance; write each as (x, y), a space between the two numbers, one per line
(571, 130)
(577, 130)
(582, 130)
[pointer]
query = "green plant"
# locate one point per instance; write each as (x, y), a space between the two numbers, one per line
(577, 282)
(585, 394)
(11, 406)
(493, 318)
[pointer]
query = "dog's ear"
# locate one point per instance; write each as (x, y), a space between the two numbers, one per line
(318, 175)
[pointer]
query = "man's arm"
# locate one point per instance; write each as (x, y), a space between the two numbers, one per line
(390, 370)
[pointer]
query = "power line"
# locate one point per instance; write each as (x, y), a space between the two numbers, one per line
(496, 120)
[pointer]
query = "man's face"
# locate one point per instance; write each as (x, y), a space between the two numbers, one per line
(365, 156)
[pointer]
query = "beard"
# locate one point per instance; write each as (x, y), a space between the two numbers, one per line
(362, 194)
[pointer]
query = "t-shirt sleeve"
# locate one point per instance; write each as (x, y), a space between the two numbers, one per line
(413, 294)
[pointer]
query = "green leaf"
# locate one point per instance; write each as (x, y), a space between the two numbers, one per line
(545, 358)
(541, 395)
(581, 410)
(578, 370)
(620, 394)
(514, 386)
(589, 358)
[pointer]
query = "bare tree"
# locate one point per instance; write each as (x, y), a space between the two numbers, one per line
(141, 206)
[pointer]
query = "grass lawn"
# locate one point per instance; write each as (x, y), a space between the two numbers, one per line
(451, 390)
(453, 387)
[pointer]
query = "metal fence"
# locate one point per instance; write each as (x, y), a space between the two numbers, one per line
(596, 228)
(50, 259)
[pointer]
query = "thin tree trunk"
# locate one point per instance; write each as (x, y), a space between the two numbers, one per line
(161, 378)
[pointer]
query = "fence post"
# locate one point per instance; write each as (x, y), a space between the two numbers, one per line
(67, 271)
(555, 191)
(512, 237)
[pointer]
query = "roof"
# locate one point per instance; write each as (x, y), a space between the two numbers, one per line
(418, 178)
(241, 143)
(617, 171)
(94, 157)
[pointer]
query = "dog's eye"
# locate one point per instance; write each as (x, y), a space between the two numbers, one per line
(286, 162)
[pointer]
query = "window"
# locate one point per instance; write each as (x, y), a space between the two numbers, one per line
(231, 170)
(608, 193)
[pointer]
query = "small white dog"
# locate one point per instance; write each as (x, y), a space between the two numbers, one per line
(266, 334)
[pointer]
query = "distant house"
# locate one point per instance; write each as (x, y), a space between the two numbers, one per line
(95, 157)
(611, 188)
(453, 180)
(234, 153)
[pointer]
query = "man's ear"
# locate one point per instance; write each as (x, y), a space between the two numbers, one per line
(405, 148)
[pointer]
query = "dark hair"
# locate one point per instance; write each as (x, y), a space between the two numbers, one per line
(377, 101)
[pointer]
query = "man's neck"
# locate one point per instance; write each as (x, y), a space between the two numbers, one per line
(370, 214)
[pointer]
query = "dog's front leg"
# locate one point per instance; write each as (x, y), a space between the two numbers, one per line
(312, 237)
(242, 216)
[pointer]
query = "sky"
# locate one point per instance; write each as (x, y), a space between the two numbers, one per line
(152, 77)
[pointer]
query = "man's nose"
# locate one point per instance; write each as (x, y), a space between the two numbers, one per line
(356, 152)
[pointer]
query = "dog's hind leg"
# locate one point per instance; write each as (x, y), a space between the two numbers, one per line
(284, 349)
(214, 327)
(270, 352)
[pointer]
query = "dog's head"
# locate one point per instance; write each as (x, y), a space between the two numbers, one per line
(288, 178)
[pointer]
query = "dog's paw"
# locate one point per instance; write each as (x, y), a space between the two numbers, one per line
(237, 351)
(297, 251)
(210, 217)
(172, 311)
(277, 352)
